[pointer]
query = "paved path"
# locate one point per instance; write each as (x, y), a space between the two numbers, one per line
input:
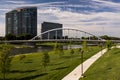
(76, 73)
(117, 46)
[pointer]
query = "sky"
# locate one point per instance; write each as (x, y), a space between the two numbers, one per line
(99, 17)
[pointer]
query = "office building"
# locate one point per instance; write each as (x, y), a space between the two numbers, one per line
(22, 21)
(53, 34)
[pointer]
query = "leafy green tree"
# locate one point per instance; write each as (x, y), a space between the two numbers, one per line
(109, 44)
(10, 37)
(82, 37)
(79, 50)
(45, 59)
(2, 38)
(93, 38)
(105, 37)
(20, 37)
(83, 50)
(84, 46)
(5, 60)
(72, 51)
(24, 37)
(60, 52)
(55, 49)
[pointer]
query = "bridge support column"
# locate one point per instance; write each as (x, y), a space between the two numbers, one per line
(56, 35)
(48, 35)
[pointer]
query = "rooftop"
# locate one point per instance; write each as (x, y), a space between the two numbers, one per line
(25, 7)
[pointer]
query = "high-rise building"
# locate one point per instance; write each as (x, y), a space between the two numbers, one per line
(22, 21)
(53, 34)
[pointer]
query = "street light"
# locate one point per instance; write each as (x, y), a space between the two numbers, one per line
(101, 47)
(82, 63)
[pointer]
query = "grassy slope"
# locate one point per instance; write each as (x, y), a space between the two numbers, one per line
(106, 68)
(30, 67)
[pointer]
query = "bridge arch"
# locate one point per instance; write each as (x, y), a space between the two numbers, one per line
(63, 29)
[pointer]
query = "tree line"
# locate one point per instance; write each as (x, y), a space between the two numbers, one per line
(29, 36)
(106, 37)
(19, 37)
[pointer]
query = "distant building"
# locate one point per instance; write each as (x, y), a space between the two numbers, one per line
(22, 21)
(51, 35)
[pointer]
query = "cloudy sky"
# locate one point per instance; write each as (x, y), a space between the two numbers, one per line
(100, 17)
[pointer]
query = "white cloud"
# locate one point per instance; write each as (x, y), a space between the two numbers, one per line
(93, 22)
(110, 4)
(2, 29)
(16, 2)
(107, 2)
(4, 9)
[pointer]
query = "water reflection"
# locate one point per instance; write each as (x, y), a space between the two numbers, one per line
(40, 49)
(72, 46)
(30, 50)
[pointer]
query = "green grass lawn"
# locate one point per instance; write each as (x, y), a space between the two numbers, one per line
(105, 68)
(30, 67)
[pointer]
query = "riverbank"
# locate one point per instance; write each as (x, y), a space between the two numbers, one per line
(30, 67)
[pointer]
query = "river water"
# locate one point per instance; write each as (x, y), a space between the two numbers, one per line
(16, 51)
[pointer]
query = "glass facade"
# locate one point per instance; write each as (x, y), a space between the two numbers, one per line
(51, 35)
(22, 21)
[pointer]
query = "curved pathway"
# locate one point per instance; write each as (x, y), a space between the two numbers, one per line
(76, 73)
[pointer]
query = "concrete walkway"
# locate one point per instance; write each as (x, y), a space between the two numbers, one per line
(117, 46)
(76, 73)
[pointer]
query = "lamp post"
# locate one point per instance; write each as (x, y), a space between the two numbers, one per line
(101, 48)
(82, 63)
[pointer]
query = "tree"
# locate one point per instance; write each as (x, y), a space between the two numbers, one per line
(84, 46)
(105, 37)
(108, 44)
(60, 52)
(93, 38)
(5, 60)
(72, 51)
(45, 59)
(24, 37)
(79, 50)
(55, 47)
(10, 37)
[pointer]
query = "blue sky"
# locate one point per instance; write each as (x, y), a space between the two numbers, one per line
(100, 17)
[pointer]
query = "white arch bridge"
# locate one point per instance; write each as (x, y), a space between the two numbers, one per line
(63, 35)
(66, 33)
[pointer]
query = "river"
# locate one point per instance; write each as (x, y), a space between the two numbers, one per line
(16, 51)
